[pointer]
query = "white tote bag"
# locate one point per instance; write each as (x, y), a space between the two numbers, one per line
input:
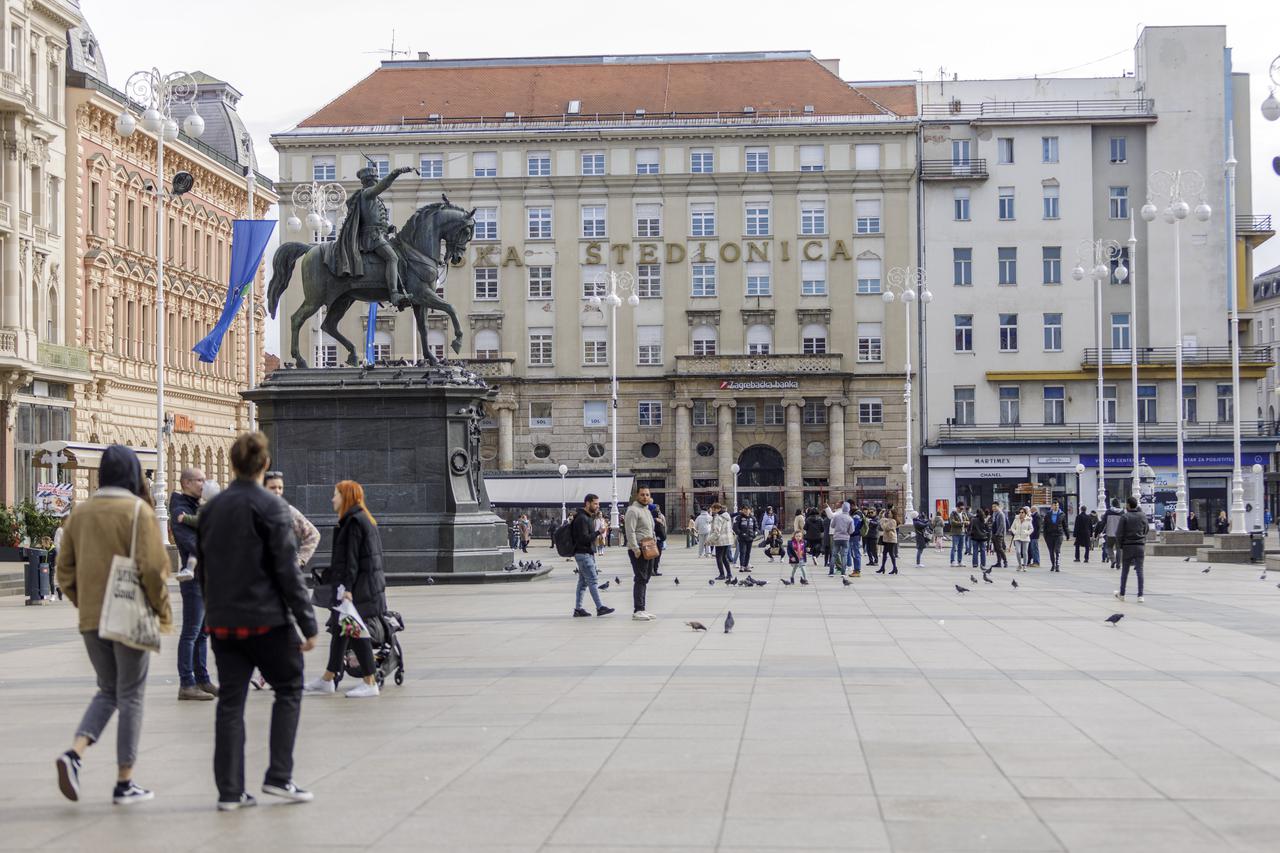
(127, 616)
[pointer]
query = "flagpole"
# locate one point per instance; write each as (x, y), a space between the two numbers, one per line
(246, 145)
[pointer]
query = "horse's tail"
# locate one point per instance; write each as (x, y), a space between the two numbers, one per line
(282, 270)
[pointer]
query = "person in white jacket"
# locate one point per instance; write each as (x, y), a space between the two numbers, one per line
(1021, 530)
(720, 540)
(702, 527)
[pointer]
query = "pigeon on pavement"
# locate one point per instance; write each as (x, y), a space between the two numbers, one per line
(617, 580)
(711, 582)
(1014, 582)
(986, 578)
(677, 581)
(972, 579)
(846, 581)
(960, 589)
(697, 626)
(786, 582)
(1205, 571)
(728, 622)
(1115, 617)
(604, 585)
(1187, 560)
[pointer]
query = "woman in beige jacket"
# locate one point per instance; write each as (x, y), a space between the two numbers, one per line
(889, 539)
(98, 530)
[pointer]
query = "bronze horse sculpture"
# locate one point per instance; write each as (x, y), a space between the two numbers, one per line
(417, 243)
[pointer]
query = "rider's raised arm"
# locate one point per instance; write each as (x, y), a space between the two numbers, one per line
(384, 184)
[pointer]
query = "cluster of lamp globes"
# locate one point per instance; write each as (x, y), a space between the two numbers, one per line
(153, 121)
(315, 222)
(613, 300)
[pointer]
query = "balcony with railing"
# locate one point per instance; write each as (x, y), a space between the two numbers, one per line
(973, 169)
(13, 91)
(1087, 431)
(62, 358)
(1096, 108)
(1249, 224)
(1166, 356)
(759, 365)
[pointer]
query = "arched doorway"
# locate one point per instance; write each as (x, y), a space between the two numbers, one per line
(761, 478)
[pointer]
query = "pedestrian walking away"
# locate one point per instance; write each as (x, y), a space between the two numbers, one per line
(721, 537)
(979, 535)
(247, 567)
(1021, 529)
(642, 547)
(1054, 528)
(702, 525)
(582, 530)
(999, 523)
(114, 522)
(1110, 530)
(1132, 538)
(1083, 533)
(193, 647)
(813, 535)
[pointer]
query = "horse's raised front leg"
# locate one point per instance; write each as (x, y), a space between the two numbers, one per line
(456, 346)
(420, 317)
(333, 316)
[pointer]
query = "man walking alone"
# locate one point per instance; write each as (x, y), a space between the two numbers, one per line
(1132, 538)
(583, 530)
(841, 530)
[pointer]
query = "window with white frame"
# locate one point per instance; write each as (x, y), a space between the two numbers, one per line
(759, 340)
(1051, 263)
(744, 414)
(704, 340)
(812, 158)
(486, 281)
(813, 218)
(1004, 150)
(1050, 200)
(1147, 404)
(646, 161)
(963, 399)
(595, 413)
(1225, 399)
(595, 345)
(1119, 149)
(593, 220)
(866, 157)
(594, 281)
(1007, 263)
(757, 159)
(869, 271)
(703, 282)
(813, 339)
(592, 162)
(870, 411)
(649, 413)
(1119, 203)
(1010, 405)
(1048, 149)
(870, 343)
(867, 211)
(1055, 404)
(435, 343)
(382, 163)
(702, 220)
(487, 343)
(540, 416)
(759, 279)
(704, 413)
(1190, 394)
(1008, 333)
(962, 267)
(1120, 330)
(324, 168)
(540, 347)
(538, 164)
(431, 166)
(1109, 401)
(648, 220)
(484, 164)
(486, 220)
(964, 332)
(649, 281)
(775, 414)
(813, 278)
(540, 282)
(1053, 332)
(539, 223)
(702, 161)
(1006, 204)
(757, 220)
(326, 355)
(814, 413)
(648, 345)
(960, 204)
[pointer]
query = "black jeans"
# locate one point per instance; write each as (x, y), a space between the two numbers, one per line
(871, 551)
(338, 654)
(1054, 544)
(744, 551)
(1133, 557)
(640, 570)
(890, 553)
(277, 656)
(997, 545)
(724, 566)
(1087, 548)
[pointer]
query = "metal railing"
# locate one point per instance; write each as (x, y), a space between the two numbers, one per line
(953, 169)
(1029, 109)
(1088, 431)
(730, 366)
(1190, 355)
(8, 343)
(1253, 224)
(67, 358)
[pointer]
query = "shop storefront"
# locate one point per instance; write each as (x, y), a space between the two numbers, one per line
(1208, 480)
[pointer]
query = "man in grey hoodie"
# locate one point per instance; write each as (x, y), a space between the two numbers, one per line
(841, 530)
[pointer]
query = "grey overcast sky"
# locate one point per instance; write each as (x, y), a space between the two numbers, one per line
(290, 57)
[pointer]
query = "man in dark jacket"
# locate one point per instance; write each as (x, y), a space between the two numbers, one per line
(1033, 547)
(1055, 530)
(256, 604)
(583, 530)
(1110, 526)
(999, 532)
(1132, 540)
(746, 530)
(193, 648)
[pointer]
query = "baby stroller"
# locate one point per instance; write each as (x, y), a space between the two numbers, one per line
(388, 660)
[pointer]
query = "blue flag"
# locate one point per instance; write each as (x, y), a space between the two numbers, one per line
(369, 330)
(249, 239)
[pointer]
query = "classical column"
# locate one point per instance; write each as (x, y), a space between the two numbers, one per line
(506, 439)
(684, 455)
(724, 445)
(835, 445)
(795, 455)
(12, 183)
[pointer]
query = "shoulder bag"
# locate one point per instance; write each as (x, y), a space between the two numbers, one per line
(127, 617)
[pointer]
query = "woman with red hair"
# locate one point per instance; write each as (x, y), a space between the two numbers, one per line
(356, 564)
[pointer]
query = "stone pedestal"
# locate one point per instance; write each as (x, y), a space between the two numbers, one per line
(411, 437)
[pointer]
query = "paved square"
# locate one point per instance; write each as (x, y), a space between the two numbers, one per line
(890, 715)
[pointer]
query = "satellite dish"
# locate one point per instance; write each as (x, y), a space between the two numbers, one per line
(182, 183)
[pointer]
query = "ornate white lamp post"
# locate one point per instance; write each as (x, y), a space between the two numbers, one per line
(1271, 106)
(735, 468)
(1171, 189)
(1098, 253)
(315, 201)
(907, 283)
(157, 94)
(564, 513)
(625, 283)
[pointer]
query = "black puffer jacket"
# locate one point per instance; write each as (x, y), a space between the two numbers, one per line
(357, 563)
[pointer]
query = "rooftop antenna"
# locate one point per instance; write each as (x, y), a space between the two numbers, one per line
(391, 52)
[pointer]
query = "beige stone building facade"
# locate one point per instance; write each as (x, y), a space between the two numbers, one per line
(753, 203)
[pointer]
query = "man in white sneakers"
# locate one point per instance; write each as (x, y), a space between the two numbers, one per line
(639, 529)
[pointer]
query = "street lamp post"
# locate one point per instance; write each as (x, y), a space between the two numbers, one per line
(1098, 253)
(625, 283)
(317, 200)
(1171, 188)
(157, 94)
(1271, 106)
(907, 283)
(1079, 482)
(564, 513)
(1237, 475)
(735, 468)
(250, 184)
(1135, 485)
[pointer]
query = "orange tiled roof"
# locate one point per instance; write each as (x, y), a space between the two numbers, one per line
(544, 88)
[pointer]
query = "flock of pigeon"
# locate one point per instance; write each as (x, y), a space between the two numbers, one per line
(523, 566)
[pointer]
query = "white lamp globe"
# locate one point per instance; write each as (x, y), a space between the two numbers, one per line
(564, 469)
(293, 223)
(926, 296)
(906, 468)
(614, 300)
(1257, 469)
(193, 125)
(908, 296)
(1077, 272)
(594, 302)
(1203, 211)
(1271, 107)
(315, 221)
(1169, 216)
(633, 300)
(735, 468)
(1122, 272)
(1181, 209)
(1149, 212)
(887, 296)
(1079, 468)
(152, 120)
(170, 130)
(1100, 271)
(126, 124)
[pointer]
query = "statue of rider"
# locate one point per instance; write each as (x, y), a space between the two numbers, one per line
(365, 230)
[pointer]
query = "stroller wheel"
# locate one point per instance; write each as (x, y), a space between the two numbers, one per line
(399, 677)
(380, 679)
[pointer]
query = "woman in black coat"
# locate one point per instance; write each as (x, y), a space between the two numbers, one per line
(871, 537)
(1083, 533)
(813, 535)
(979, 534)
(357, 566)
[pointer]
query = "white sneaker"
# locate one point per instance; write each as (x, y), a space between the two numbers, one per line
(641, 616)
(184, 576)
(1118, 596)
(1139, 599)
(320, 686)
(363, 690)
